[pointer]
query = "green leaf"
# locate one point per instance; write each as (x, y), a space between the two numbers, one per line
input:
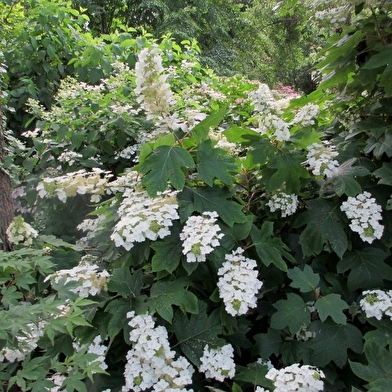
(292, 313)
(245, 136)
(305, 280)
(254, 374)
(289, 172)
(194, 333)
(215, 199)
(324, 228)
(384, 173)
(379, 363)
(268, 343)
(332, 342)
(168, 252)
(165, 294)
(165, 164)
(118, 310)
(380, 145)
(380, 59)
(200, 132)
(269, 248)
(332, 305)
(367, 268)
(125, 284)
(214, 163)
(386, 80)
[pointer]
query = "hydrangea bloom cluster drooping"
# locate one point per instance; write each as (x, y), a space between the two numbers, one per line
(200, 236)
(20, 231)
(238, 284)
(306, 115)
(377, 303)
(320, 159)
(296, 378)
(218, 363)
(365, 215)
(154, 94)
(151, 362)
(282, 201)
(89, 280)
(71, 184)
(143, 217)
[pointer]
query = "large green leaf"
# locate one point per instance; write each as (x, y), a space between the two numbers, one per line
(324, 228)
(214, 199)
(292, 313)
(165, 164)
(168, 252)
(214, 163)
(269, 248)
(332, 342)
(384, 174)
(331, 305)
(289, 172)
(379, 365)
(268, 343)
(254, 373)
(305, 280)
(194, 333)
(367, 268)
(126, 284)
(165, 294)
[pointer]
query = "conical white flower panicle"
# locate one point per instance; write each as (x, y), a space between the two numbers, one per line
(238, 283)
(143, 217)
(218, 363)
(200, 236)
(152, 89)
(151, 364)
(365, 214)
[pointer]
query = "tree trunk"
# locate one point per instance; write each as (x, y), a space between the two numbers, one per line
(6, 200)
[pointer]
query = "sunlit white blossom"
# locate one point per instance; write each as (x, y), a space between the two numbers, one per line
(153, 91)
(88, 280)
(377, 303)
(20, 231)
(320, 159)
(365, 214)
(296, 378)
(218, 363)
(284, 202)
(150, 362)
(238, 283)
(200, 236)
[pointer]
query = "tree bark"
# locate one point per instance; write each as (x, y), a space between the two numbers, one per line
(6, 200)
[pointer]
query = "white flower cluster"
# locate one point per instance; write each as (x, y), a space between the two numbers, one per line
(274, 126)
(238, 284)
(376, 303)
(143, 217)
(320, 159)
(151, 362)
(154, 94)
(20, 231)
(200, 236)
(69, 157)
(306, 115)
(218, 363)
(71, 184)
(27, 342)
(98, 348)
(304, 335)
(282, 201)
(365, 215)
(296, 378)
(90, 281)
(262, 99)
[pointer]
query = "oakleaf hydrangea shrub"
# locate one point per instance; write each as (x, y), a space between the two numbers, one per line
(243, 244)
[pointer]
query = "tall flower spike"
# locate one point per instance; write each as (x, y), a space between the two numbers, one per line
(154, 94)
